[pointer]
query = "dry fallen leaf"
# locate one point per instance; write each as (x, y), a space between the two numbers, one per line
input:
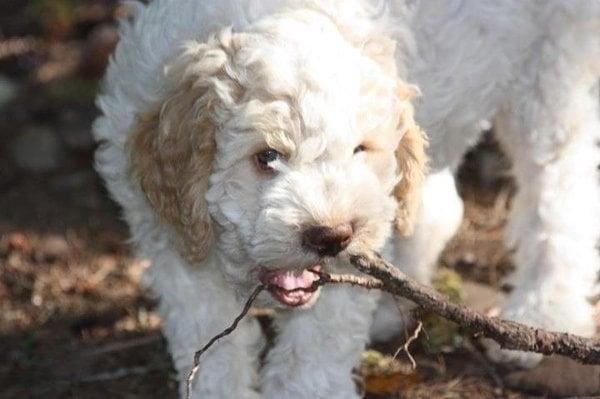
(392, 383)
(384, 375)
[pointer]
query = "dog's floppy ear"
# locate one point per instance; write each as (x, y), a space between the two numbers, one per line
(412, 163)
(410, 153)
(172, 147)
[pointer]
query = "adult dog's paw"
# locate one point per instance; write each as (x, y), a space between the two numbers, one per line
(557, 376)
(574, 316)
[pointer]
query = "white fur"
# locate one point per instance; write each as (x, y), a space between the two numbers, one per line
(529, 66)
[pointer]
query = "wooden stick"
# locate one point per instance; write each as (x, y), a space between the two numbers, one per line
(508, 334)
(387, 277)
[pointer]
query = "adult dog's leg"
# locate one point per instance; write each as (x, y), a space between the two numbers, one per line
(439, 217)
(318, 347)
(551, 132)
(195, 305)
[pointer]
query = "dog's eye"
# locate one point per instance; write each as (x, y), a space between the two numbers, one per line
(264, 158)
(360, 148)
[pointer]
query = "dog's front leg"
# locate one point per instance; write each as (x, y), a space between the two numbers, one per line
(317, 348)
(551, 134)
(195, 305)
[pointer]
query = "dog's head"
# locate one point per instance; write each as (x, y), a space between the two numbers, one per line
(279, 147)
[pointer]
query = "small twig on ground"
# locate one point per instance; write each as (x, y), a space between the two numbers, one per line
(410, 339)
(214, 339)
(14, 47)
(123, 345)
(116, 374)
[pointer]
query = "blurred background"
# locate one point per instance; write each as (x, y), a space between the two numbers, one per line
(74, 322)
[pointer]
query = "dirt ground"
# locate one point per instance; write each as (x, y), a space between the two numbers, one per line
(74, 322)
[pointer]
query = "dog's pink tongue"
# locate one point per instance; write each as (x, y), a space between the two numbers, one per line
(291, 288)
(290, 281)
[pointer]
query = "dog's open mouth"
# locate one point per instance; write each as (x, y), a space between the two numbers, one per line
(292, 288)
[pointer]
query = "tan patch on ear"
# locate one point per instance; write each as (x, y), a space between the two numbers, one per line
(172, 148)
(171, 155)
(412, 164)
(410, 153)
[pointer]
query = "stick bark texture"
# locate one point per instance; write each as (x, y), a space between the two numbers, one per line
(508, 334)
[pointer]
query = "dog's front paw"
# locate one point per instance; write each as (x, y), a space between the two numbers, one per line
(574, 316)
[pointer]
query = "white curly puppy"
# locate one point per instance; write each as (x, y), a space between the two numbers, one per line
(254, 141)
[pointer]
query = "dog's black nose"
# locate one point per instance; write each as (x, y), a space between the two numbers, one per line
(328, 241)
